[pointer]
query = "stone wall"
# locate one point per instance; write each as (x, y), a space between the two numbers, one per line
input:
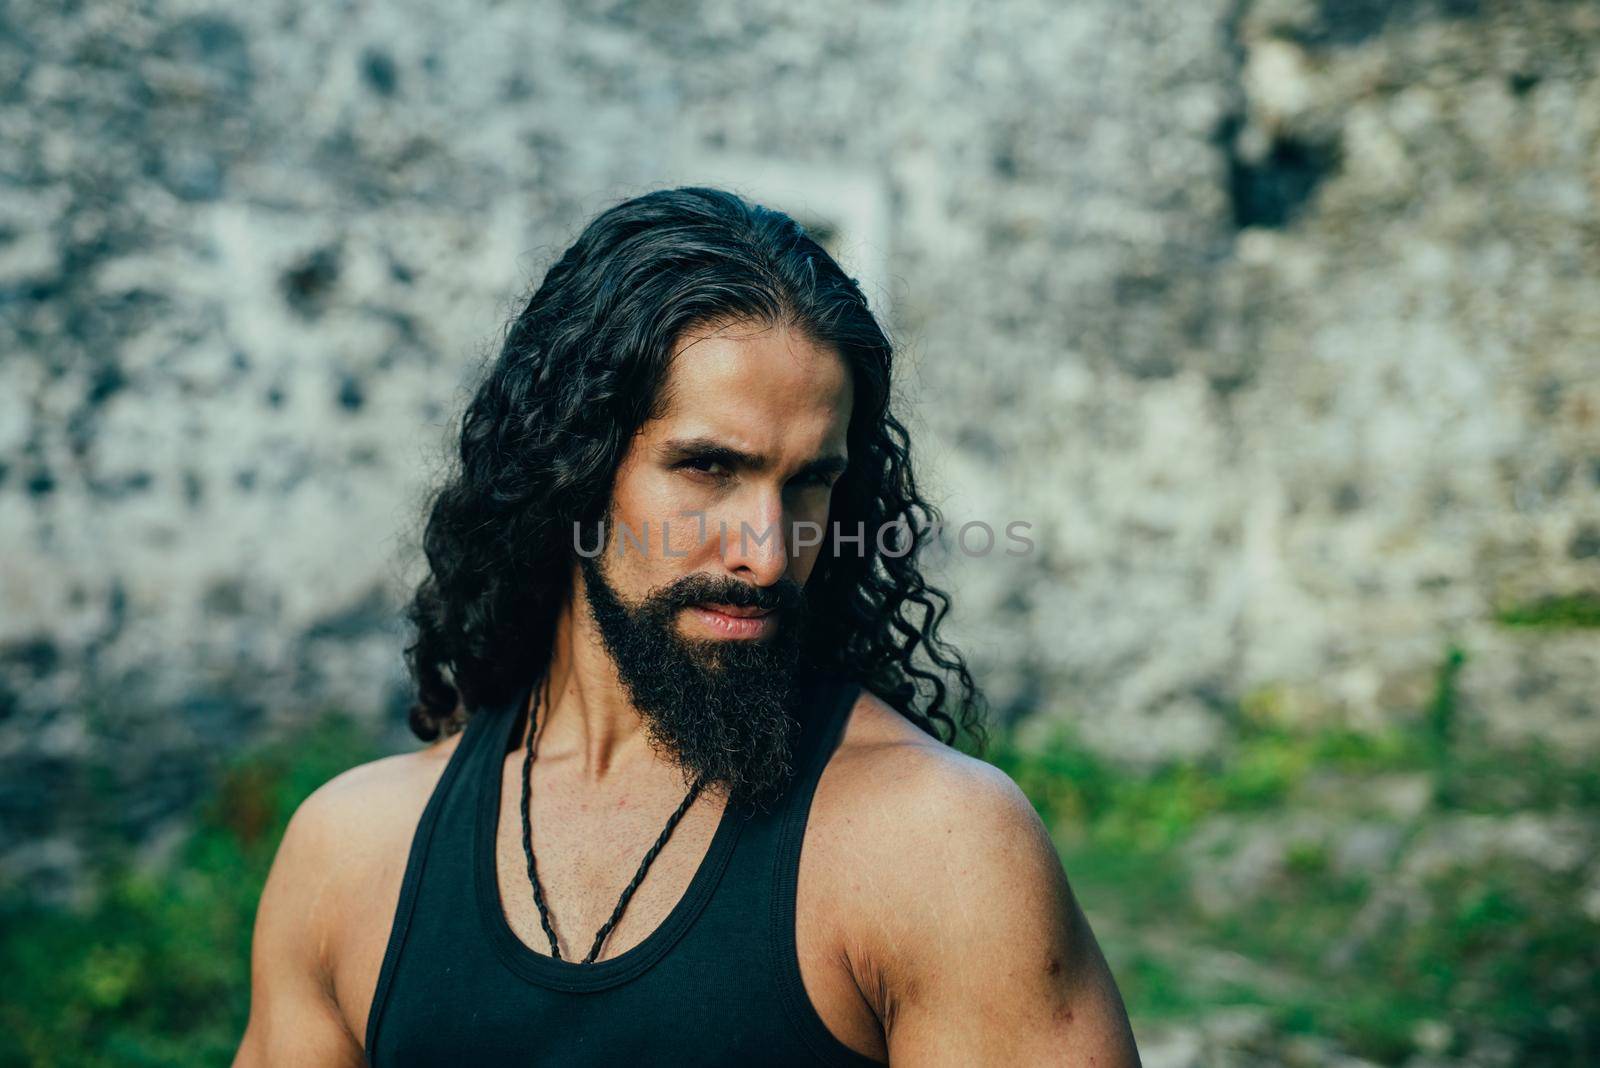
(1278, 321)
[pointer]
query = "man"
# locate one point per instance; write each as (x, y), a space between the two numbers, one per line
(673, 597)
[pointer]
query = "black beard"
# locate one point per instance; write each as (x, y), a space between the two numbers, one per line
(723, 709)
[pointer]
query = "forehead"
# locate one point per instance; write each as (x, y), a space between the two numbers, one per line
(755, 382)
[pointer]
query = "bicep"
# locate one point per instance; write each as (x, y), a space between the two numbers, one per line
(293, 1016)
(1004, 968)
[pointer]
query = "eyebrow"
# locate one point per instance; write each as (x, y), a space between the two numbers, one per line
(705, 448)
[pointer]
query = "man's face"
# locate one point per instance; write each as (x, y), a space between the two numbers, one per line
(704, 619)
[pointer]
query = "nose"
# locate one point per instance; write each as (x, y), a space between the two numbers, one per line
(754, 546)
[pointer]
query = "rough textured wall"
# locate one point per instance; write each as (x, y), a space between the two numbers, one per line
(1362, 421)
(1277, 320)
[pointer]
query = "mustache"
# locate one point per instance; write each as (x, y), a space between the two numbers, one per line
(783, 595)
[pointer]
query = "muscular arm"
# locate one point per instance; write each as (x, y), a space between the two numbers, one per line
(985, 956)
(294, 1019)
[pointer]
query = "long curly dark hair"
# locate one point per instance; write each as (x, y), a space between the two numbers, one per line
(550, 423)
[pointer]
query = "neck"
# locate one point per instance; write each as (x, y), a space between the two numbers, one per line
(587, 720)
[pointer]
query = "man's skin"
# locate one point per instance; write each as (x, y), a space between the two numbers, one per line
(934, 922)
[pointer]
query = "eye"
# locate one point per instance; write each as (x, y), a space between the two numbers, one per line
(820, 478)
(701, 465)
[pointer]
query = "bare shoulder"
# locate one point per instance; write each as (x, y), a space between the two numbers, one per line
(911, 834)
(890, 781)
(363, 808)
(951, 905)
(348, 842)
(350, 834)
(325, 911)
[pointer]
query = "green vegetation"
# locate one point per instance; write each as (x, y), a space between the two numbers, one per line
(1452, 939)
(1568, 611)
(157, 971)
(1358, 886)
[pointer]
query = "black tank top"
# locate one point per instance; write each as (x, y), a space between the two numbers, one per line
(716, 983)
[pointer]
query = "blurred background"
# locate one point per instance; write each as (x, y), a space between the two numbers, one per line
(1277, 319)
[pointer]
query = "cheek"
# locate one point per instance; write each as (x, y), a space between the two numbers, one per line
(808, 532)
(660, 511)
(684, 538)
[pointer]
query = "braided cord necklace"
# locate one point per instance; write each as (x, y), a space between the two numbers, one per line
(533, 869)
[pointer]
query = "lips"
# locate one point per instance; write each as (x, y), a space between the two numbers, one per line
(731, 621)
(737, 612)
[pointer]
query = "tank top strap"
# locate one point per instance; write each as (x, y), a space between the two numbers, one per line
(832, 704)
(826, 705)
